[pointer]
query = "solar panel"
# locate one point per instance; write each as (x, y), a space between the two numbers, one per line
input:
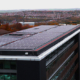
(38, 29)
(33, 41)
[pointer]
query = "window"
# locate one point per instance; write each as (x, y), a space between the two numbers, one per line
(8, 70)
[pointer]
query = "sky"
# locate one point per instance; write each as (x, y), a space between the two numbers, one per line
(38, 4)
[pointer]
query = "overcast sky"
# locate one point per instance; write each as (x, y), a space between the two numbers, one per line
(38, 4)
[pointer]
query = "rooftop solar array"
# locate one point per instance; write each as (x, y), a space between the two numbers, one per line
(12, 37)
(38, 29)
(33, 38)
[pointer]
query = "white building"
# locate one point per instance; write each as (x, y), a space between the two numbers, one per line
(30, 23)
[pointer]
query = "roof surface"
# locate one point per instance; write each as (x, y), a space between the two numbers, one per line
(35, 39)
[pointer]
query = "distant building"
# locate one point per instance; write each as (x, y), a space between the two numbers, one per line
(62, 24)
(30, 23)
